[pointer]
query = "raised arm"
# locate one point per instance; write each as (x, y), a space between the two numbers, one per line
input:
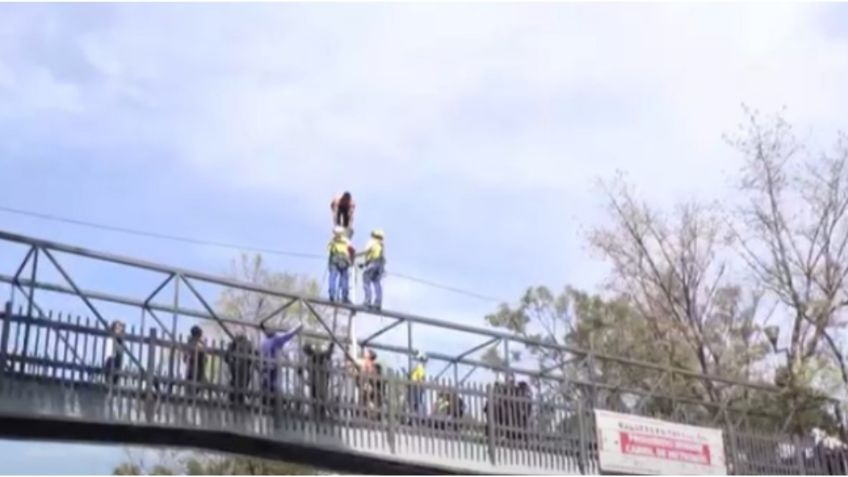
(281, 339)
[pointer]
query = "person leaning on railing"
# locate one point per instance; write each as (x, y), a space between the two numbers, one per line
(511, 407)
(449, 410)
(367, 378)
(269, 350)
(114, 353)
(195, 360)
(242, 359)
(319, 376)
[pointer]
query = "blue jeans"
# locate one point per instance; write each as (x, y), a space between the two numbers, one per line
(371, 277)
(339, 275)
(415, 395)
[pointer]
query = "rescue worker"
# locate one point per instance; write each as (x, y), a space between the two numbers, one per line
(343, 207)
(339, 262)
(375, 263)
(417, 376)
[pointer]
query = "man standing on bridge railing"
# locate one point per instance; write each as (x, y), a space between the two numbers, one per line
(339, 262)
(375, 262)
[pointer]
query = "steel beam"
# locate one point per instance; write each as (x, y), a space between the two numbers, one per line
(208, 278)
(206, 305)
(376, 334)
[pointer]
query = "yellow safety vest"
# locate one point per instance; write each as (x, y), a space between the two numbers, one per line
(375, 250)
(338, 247)
(418, 373)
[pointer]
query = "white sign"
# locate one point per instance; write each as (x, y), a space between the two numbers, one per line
(639, 445)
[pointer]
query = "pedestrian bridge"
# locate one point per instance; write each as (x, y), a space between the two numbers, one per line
(55, 385)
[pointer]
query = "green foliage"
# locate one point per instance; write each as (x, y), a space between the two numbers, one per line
(212, 464)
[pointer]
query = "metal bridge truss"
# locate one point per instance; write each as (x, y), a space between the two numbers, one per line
(43, 354)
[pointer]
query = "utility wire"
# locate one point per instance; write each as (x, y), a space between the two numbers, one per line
(157, 235)
(195, 241)
(446, 287)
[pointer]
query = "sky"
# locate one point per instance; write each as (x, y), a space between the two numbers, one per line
(473, 134)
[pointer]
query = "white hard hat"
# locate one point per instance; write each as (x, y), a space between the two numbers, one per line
(338, 230)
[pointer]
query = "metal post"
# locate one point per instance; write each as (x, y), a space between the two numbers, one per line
(490, 422)
(583, 457)
(799, 454)
(732, 459)
(391, 406)
(171, 350)
(409, 346)
(149, 403)
(455, 374)
(590, 361)
(506, 357)
(4, 337)
(30, 303)
(351, 336)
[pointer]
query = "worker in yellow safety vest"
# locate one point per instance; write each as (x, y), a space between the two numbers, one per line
(374, 267)
(416, 390)
(339, 262)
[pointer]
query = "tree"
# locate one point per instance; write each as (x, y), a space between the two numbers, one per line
(676, 273)
(194, 463)
(793, 231)
(675, 295)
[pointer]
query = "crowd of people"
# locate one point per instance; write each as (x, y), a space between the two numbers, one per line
(315, 369)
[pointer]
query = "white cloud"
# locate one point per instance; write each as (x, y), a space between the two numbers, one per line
(472, 133)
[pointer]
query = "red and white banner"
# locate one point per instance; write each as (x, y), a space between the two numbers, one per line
(639, 445)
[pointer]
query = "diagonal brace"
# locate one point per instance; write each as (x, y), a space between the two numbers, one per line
(277, 311)
(330, 332)
(159, 288)
(206, 305)
(466, 353)
(374, 335)
(93, 309)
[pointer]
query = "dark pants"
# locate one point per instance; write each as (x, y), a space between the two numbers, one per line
(239, 382)
(343, 217)
(319, 391)
(269, 386)
(111, 368)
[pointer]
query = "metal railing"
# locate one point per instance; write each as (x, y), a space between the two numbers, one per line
(467, 427)
(555, 431)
